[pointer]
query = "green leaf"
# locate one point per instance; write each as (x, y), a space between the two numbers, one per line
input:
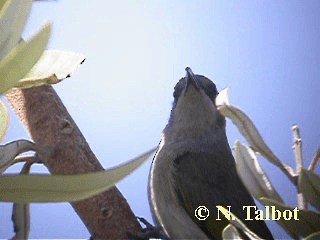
(4, 120)
(2, 3)
(246, 127)
(10, 150)
(21, 214)
(21, 59)
(249, 131)
(13, 17)
(309, 185)
(52, 67)
(230, 232)
(64, 188)
(308, 223)
(252, 175)
(236, 222)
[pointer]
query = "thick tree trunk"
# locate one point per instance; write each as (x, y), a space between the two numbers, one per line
(107, 215)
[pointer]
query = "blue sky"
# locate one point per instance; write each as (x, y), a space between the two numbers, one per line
(267, 52)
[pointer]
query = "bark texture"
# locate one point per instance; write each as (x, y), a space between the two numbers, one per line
(107, 215)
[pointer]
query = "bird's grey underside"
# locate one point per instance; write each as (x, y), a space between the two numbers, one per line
(194, 167)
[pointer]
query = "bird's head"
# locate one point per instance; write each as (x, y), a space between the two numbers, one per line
(194, 103)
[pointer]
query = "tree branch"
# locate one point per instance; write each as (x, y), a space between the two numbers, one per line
(314, 161)
(297, 148)
(107, 215)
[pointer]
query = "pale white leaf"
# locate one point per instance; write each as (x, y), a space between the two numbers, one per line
(308, 223)
(313, 236)
(222, 98)
(10, 150)
(22, 58)
(13, 17)
(4, 119)
(309, 186)
(64, 188)
(250, 132)
(236, 222)
(230, 232)
(252, 175)
(52, 67)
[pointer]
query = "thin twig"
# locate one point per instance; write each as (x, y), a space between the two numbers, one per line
(314, 161)
(297, 148)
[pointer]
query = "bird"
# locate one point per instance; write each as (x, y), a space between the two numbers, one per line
(194, 166)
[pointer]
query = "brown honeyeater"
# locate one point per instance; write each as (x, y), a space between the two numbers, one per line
(194, 166)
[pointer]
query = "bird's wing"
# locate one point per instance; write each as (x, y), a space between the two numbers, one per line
(214, 181)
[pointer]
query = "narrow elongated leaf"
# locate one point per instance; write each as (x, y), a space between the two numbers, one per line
(21, 214)
(52, 67)
(313, 236)
(252, 175)
(236, 222)
(249, 131)
(10, 150)
(309, 185)
(21, 59)
(13, 17)
(222, 98)
(64, 188)
(246, 127)
(2, 3)
(4, 120)
(230, 232)
(308, 223)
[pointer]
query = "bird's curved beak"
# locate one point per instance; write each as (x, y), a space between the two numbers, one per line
(191, 80)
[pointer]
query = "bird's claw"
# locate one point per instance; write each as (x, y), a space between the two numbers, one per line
(149, 232)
